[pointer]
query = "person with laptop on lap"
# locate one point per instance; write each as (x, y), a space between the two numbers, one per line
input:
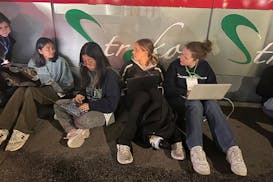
(20, 113)
(97, 99)
(150, 119)
(182, 74)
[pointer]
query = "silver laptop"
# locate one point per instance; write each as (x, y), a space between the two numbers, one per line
(208, 91)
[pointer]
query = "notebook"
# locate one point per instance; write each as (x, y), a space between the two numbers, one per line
(208, 91)
(142, 83)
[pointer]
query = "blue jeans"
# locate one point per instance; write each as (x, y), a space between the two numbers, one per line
(195, 109)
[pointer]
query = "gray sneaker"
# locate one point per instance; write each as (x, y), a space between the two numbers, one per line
(177, 151)
(235, 158)
(199, 160)
(77, 138)
(3, 135)
(124, 155)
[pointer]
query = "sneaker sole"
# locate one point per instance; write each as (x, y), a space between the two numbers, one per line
(201, 172)
(125, 162)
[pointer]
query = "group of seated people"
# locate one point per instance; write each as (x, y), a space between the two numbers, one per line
(151, 114)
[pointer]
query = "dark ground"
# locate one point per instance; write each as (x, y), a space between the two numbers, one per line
(45, 156)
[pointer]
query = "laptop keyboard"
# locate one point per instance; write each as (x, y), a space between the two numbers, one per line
(71, 108)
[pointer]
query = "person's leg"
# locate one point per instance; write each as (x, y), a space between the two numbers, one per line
(220, 130)
(224, 137)
(26, 120)
(27, 117)
(137, 107)
(11, 110)
(65, 119)
(89, 120)
(193, 117)
(82, 125)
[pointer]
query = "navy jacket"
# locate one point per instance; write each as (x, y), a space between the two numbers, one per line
(175, 78)
(110, 94)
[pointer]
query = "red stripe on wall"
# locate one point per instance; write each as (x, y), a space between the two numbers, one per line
(222, 4)
(244, 4)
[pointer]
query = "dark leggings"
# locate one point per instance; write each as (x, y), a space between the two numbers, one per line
(137, 104)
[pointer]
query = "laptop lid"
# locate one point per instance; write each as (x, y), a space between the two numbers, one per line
(208, 91)
(142, 83)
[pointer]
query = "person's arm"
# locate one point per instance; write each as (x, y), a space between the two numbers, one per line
(109, 102)
(66, 80)
(171, 89)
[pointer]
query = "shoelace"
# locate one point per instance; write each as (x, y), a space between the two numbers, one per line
(16, 138)
(199, 156)
(236, 156)
(123, 150)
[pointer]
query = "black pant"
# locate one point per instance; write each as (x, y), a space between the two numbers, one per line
(136, 103)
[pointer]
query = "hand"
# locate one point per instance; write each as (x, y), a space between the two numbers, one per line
(84, 107)
(79, 98)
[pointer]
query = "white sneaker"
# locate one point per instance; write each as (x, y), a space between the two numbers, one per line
(3, 135)
(235, 158)
(199, 161)
(17, 140)
(76, 137)
(124, 155)
(177, 151)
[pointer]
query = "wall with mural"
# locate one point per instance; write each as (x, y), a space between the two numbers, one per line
(241, 32)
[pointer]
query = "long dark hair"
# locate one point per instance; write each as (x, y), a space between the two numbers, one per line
(38, 58)
(199, 49)
(93, 50)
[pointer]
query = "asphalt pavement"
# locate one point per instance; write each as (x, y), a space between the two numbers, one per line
(45, 156)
